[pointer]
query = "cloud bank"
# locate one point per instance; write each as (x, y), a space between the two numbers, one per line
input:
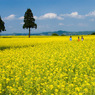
(10, 17)
(49, 16)
(54, 16)
(73, 15)
(91, 14)
(46, 16)
(21, 18)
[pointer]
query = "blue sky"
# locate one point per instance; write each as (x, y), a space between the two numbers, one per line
(50, 15)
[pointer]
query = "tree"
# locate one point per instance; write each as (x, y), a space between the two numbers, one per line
(2, 27)
(93, 33)
(29, 21)
(54, 34)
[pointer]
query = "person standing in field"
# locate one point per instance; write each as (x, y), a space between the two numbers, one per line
(78, 39)
(82, 38)
(70, 38)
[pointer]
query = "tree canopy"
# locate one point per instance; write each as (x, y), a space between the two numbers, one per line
(2, 27)
(55, 34)
(29, 21)
(93, 33)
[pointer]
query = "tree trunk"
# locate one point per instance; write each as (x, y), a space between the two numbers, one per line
(29, 32)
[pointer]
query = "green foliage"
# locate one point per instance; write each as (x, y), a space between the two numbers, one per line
(93, 33)
(29, 21)
(63, 35)
(54, 34)
(2, 27)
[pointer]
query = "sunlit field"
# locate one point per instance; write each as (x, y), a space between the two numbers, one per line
(47, 65)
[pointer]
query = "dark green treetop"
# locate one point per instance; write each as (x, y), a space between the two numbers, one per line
(29, 21)
(55, 34)
(2, 27)
(93, 33)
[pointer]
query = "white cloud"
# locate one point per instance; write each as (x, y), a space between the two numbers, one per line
(35, 17)
(21, 18)
(73, 15)
(50, 16)
(60, 18)
(91, 14)
(61, 24)
(10, 17)
(78, 16)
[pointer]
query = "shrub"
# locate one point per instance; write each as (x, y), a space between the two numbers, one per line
(63, 35)
(54, 34)
(93, 33)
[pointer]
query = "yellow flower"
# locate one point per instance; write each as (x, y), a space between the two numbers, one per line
(44, 91)
(86, 90)
(7, 80)
(80, 94)
(19, 88)
(77, 89)
(56, 90)
(38, 94)
(51, 87)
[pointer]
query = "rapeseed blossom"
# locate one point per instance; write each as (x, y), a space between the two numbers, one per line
(47, 66)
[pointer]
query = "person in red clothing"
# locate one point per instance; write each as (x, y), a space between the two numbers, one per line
(78, 39)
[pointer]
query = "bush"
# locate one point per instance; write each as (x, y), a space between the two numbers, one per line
(93, 33)
(63, 35)
(54, 34)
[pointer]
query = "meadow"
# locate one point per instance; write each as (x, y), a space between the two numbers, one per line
(47, 65)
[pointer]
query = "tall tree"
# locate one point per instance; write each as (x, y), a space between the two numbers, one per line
(29, 21)
(2, 27)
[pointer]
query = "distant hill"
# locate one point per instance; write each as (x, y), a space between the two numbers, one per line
(60, 32)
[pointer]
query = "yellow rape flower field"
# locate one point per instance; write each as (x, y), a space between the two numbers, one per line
(47, 65)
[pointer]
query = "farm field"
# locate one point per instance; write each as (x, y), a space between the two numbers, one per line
(47, 65)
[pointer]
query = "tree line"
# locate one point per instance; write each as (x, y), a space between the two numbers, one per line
(29, 22)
